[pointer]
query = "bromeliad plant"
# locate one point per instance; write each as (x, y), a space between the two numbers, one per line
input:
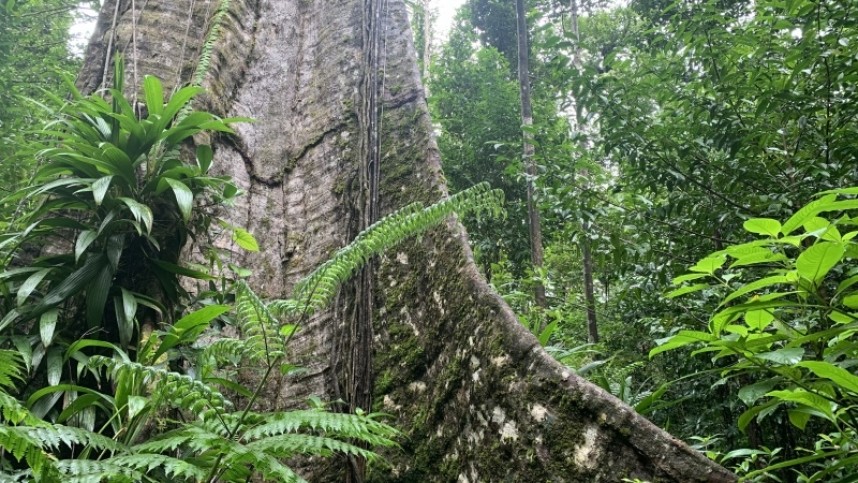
(103, 221)
(785, 329)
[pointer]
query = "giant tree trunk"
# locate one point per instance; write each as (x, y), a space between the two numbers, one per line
(473, 392)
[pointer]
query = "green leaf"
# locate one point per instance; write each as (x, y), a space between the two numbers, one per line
(808, 211)
(759, 284)
(154, 93)
(47, 326)
(709, 264)
(751, 393)
(815, 262)
(763, 226)
(204, 157)
(189, 327)
(683, 338)
(809, 399)
(245, 240)
(30, 284)
(84, 240)
(180, 270)
(835, 374)
(184, 197)
(73, 284)
(141, 212)
(688, 277)
(99, 189)
(798, 417)
(96, 296)
(125, 308)
(687, 289)
(784, 357)
(759, 319)
(55, 365)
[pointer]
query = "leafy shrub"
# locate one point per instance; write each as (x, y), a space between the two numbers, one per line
(784, 330)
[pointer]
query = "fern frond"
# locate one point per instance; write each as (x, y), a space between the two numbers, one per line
(225, 351)
(260, 329)
(172, 467)
(288, 445)
(13, 412)
(318, 289)
(10, 368)
(273, 470)
(56, 436)
(96, 471)
(348, 426)
(179, 390)
(25, 447)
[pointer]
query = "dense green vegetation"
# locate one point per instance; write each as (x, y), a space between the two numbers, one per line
(702, 154)
(666, 132)
(103, 376)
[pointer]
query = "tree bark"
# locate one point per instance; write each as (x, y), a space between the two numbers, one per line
(529, 151)
(589, 293)
(473, 392)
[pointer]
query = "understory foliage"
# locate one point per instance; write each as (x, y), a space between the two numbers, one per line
(662, 127)
(782, 330)
(102, 376)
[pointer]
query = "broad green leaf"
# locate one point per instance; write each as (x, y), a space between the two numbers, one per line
(835, 374)
(785, 357)
(96, 296)
(709, 264)
(805, 213)
(154, 93)
(141, 212)
(687, 289)
(30, 284)
(758, 412)
(245, 240)
(759, 284)
(798, 417)
(125, 306)
(851, 300)
(763, 226)
(184, 196)
(54, 365)
(683, 338)
(809, 399)
(815, 262)
(769, 257)
(688, 277)
(204, 157)
(842, 318)
(189, 327)
(99, 189)
(823, 229)
(74, 283)
(84, 240)
(180, 270)
(47, 326)
(751, 393)
(759, 319)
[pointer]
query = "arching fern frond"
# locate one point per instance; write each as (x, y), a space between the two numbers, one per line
(259, 327)
(352, 426)
(179, 390)
(318, 289)
(23, 446)
(10, 368)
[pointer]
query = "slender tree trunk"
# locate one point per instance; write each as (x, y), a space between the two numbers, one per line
(589, 295)
(432, 345)
(427, 43)
(529, 151)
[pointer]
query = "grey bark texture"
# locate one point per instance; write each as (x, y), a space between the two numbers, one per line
(473, 392)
